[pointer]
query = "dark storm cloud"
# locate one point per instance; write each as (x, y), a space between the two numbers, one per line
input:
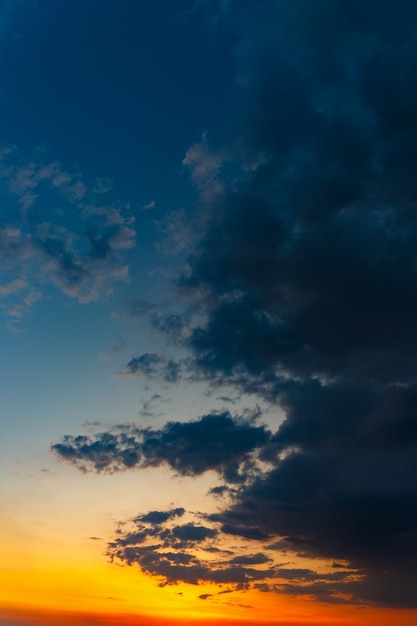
(216, 442)
(307, 274)
(344, 487)
(309, 266)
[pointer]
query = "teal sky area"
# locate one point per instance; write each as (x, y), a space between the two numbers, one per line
(112, 98)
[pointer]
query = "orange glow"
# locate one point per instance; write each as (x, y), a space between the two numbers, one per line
(36, 617)
(41, 578)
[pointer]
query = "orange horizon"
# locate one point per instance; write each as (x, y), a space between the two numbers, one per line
(15, 616)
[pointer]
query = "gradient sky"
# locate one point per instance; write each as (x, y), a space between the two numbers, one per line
(208, 305)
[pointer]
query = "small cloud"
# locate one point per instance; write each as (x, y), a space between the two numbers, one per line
(154, 365)
(177, 232)
(14, 285)
(205, 165)
(114, 350)
(149, 205)
(103, 185)
(138, 308)
(160, 517)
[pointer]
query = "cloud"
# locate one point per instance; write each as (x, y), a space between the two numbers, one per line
(303, 289)
(135, 309)
(103, 185)
(159, 517)
(154, 365)
(12, 286)
(177, 232)
(150, 405)
(148, 205)
(190, 553)
(53, 234)
(250, 559)
(216, 441)
(183, 552)
(205, 166)
(114, 350)
(306, 274)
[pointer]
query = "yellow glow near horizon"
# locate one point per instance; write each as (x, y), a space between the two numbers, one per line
(49, 569)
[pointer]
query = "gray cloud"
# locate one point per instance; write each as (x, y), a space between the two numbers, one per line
(174, 552)
(189, 553)
(159, 517)
(154, 365)
(216, 441)
(306, 273)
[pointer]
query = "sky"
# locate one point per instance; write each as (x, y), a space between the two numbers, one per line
(208, 295)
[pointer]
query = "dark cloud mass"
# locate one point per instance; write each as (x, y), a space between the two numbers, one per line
(306, 274)
(216, 442)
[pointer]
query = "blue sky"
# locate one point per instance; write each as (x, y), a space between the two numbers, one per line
(208, 290)
(109, 101)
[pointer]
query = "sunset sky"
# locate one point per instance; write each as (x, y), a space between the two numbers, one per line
(208, 312)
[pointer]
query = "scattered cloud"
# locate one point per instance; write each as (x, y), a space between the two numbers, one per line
(190, 553)
(52, 234)
(176, 232)
(151, 405)
(155, 366)
(179, 552)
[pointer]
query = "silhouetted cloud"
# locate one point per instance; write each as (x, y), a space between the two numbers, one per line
(154, 365)
(176, 552)
(216, 441)
(159, 517)
(190, 553)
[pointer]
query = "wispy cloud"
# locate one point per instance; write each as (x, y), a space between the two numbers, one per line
(54, 234)
(148, 205)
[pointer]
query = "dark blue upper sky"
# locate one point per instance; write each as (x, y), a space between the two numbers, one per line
(122, 90)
